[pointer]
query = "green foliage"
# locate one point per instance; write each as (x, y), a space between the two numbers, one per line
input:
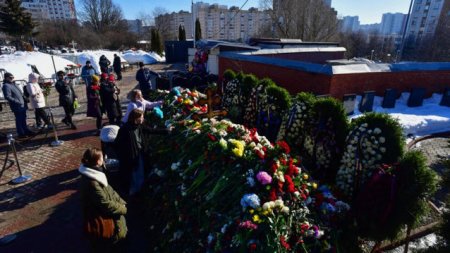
(248, 83)
(156, 43)
(229, 75)
(326, 137)
(392, 131)
(15, 20)
(240, 76)
(181, 33)
(281, 97)
(266, 82)
(198, 30)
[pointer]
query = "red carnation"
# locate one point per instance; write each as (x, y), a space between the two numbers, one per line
(290, 184)
(284, 146)
(252, 247)
(284, 243)
(273, 194)
(212, 137)
(273, 167)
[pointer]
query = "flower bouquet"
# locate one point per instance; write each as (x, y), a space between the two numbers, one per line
(234, 191)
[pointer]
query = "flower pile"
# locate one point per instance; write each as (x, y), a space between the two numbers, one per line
(235, 191)
(46, 88)
(375, 139)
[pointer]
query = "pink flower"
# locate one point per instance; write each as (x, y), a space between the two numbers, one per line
(248, 225)
(264, 178)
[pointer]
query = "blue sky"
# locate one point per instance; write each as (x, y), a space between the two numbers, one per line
(369, 11)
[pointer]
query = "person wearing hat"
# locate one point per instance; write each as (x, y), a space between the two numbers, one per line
(143, 76)
(67, 98)
(94, 105)
(87, 72)
(117, 66)
(37, 100)
(17, 103)
(110, 98)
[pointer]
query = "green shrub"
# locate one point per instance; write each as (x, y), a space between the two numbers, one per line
(280, 97)
(229, 75)
(248, 83)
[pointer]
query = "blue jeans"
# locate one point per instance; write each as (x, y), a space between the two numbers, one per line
(21, 122)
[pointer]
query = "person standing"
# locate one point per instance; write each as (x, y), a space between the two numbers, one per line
(103, 209)
(67, 98)
(86, 73)
(143, 76)
(138, 102)
(133, 149)
(94, 105)
(104, 64)
(37, 100)
(117, 65)
(17, 103)
(110, 98)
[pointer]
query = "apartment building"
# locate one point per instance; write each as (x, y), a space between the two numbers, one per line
(216, 21)
(393, 23)
(350, 24)
(424, 18)
(50, 9)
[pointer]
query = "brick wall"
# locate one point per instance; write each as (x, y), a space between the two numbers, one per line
(316, 57)
(433, 81)
(293, 80)
(296, 80)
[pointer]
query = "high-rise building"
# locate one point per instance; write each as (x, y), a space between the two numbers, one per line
(50, 9)
(217, 21)
(424, 19)
(393, 23)
(350, 24)
(277, 3)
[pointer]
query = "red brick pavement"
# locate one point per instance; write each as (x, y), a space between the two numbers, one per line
(44, 213)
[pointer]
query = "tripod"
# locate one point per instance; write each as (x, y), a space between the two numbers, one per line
(22, 178)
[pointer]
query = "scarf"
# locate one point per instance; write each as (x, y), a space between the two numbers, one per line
(94, 174)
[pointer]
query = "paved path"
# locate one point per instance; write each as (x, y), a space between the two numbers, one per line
(45, 212)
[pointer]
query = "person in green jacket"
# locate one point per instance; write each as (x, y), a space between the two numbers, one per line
(99, 199)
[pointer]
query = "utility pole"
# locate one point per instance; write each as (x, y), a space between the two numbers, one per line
(193, 22)
(402, 46)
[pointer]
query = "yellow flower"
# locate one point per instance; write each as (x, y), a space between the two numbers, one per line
(239, 146)
(251, 211)
(256, 218)
(314, 185)
(305, 176)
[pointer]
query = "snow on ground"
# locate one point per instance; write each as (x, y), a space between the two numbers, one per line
(93, 56)
(418, 121)
(18, 64)
(142, 56)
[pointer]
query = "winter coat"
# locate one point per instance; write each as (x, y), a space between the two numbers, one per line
(37, 98)
(66, 93)
(110, 99)
(14, 96)
(141, 105)
(117, 65)
(99, 198)
(144, 76)
(87, 73)
(130, 143)
(94, 105)
(104, 63)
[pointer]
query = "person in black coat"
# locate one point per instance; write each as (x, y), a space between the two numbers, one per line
(110, 100)
(67, 97)
(133, 151)
(104, 64)
(143, 76)
(117, 65)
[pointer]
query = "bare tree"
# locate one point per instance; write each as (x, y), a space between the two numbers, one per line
(309, 20)
(162, 24)
(101, 15)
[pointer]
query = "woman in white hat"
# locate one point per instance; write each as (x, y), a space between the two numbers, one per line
(37, 100)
